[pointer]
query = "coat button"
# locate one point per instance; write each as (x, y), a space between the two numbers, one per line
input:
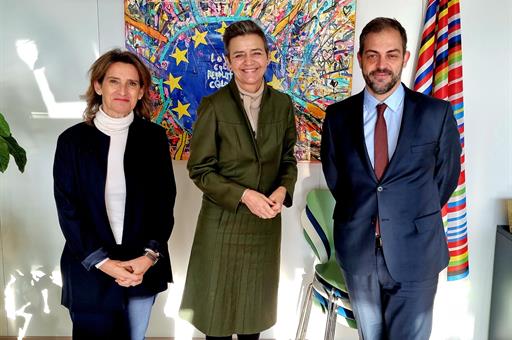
(379, 189)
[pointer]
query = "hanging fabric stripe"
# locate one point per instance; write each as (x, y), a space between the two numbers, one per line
(439, 74)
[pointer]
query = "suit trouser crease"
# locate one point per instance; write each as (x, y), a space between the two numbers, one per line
(386, 309)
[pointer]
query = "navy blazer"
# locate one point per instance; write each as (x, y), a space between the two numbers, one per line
(80, 170)
(421, 175)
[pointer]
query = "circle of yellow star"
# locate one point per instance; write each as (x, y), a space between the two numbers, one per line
(222, 28)
(173, 82)
(276, 83)
(199, 38)
(182, 110)
(180, 55)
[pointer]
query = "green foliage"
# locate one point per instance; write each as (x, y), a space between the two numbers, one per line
(9, 146)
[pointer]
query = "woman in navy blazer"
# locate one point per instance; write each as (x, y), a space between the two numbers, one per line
(115, 191)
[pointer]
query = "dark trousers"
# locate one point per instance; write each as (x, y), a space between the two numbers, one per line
(99, 325)
(239, 336)
(386, 309)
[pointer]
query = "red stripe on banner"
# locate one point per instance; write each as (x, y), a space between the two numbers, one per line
(463, 176)
(428, 31)
(454, 48)
(458, 243)
(455, 73)
(456, 101)
(428, 53)
(441, 93)
(454, 88)
(458, 267)
(459, 251)
(425, 80)
(457, 208)
(455, 27)
(442, 42)
(443, 65)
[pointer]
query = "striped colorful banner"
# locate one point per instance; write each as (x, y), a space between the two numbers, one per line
(439, 74)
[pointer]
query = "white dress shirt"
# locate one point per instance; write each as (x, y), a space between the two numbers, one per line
(393, 116)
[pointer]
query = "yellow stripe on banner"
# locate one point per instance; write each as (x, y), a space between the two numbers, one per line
(459, 257)
(456, 263)
(427, 45)
(440, 78)
(452, 3)
(454, 57)
(442, 14)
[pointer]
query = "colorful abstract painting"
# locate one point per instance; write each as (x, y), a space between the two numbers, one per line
(311, 51)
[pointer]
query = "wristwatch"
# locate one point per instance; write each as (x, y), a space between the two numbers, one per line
(152, 255)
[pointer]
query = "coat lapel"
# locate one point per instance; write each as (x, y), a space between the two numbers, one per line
(236, 96)
(406, 135)
(359, 139)
(97, 148)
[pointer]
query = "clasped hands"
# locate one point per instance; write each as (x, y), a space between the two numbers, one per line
(127, 273)
(263, 206)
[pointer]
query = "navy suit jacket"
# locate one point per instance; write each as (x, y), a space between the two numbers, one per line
(421, 175)
(80, 170)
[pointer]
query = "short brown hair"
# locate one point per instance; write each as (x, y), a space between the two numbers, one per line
(243, 27)
(97, 73)
(380, 24)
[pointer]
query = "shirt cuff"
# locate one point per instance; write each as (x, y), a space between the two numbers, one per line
(101, 262)
(243, 194)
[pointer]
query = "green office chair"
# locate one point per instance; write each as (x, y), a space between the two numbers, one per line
(328, 288)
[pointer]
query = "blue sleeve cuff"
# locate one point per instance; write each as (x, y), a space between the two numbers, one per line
(155, 246)
(94, 258)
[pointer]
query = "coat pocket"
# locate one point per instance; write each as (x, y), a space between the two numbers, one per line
(428, 222)
(424, 148)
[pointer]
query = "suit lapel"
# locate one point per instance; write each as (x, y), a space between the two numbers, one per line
(406, 135)
(359, 139)
(97, 147)
(236, 96)
(132, 171)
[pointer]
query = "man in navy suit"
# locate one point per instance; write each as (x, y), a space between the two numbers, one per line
(391, 158)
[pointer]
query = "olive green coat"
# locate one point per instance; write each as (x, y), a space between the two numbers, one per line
(233, 273)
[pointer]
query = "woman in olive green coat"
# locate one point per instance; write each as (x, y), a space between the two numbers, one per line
(242, 158)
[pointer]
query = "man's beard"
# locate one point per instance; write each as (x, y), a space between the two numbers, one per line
(382, 88)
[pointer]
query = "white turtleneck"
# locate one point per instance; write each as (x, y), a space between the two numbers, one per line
(115, 187)
(252, 103)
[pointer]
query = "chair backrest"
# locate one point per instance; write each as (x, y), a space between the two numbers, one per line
(316, 220)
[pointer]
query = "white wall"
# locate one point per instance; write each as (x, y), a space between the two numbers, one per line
(69, 34)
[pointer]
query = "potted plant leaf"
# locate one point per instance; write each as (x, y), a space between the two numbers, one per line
(9, 146)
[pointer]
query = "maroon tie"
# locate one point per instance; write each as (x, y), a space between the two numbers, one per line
(380, 142)
(380, 149)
